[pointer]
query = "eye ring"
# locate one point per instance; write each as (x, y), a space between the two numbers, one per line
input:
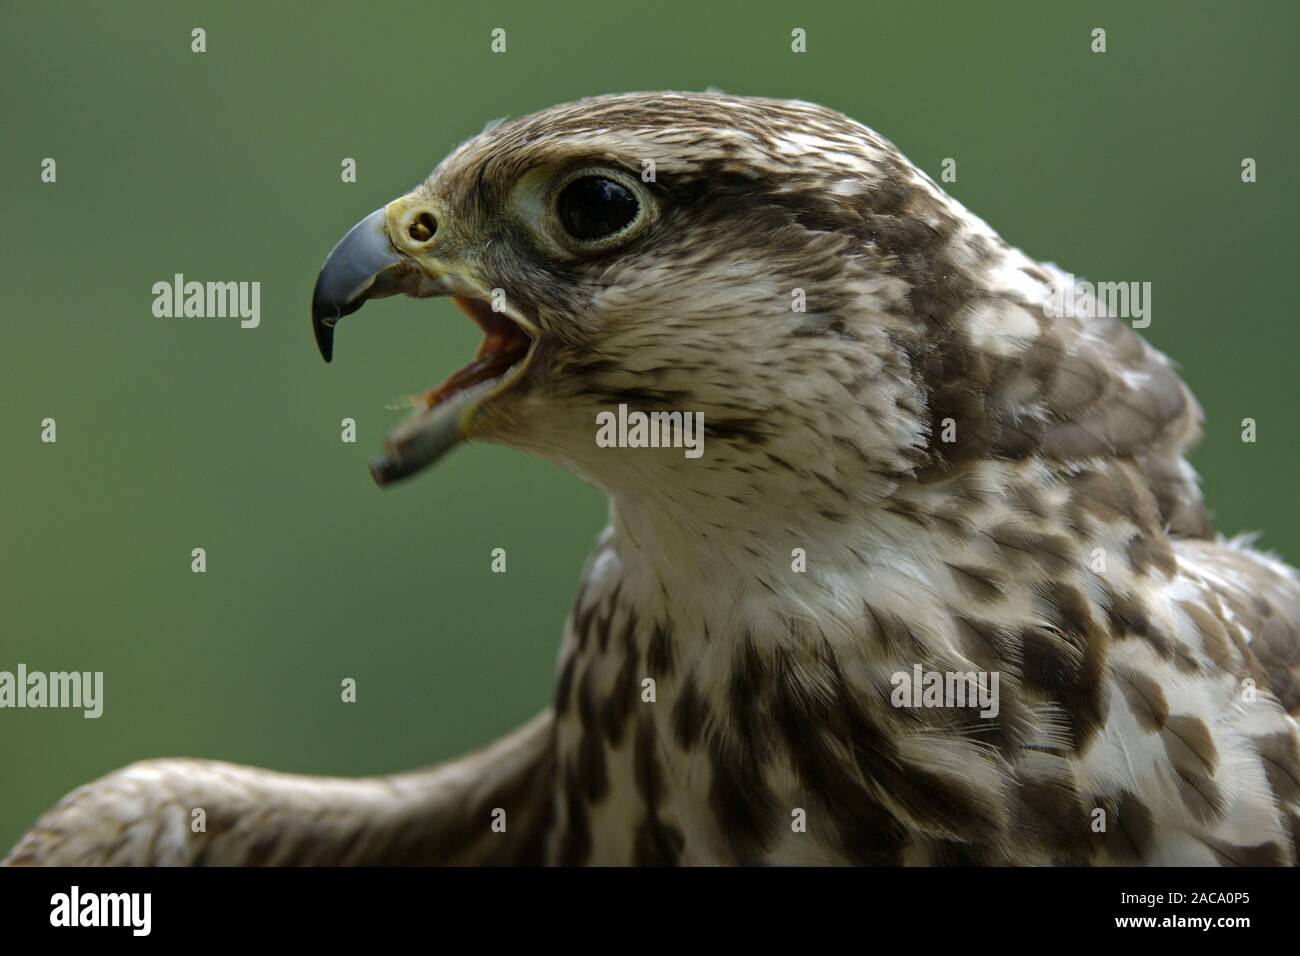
(595, 208)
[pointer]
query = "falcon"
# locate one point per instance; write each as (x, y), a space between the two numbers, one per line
(911, 466)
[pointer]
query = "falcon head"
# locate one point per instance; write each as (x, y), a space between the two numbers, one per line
(770, 264)
(675, 252)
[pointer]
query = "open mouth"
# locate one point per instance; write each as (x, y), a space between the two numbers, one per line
(366, 265)
(505, 347)
(441, 419)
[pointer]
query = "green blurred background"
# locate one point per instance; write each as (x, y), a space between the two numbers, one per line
(175, 434)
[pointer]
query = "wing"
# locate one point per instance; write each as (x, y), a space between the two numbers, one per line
(1257, 601)
(144, 814)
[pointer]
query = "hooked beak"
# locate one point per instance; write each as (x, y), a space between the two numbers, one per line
(351, 273)
(364, 265)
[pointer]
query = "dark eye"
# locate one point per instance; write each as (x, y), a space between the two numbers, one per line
(594, 207)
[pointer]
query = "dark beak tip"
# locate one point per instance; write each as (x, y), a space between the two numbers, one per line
(345, 278)
(325, 314)
(324, 331)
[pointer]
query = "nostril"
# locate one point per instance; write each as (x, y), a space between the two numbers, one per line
(422, 227)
